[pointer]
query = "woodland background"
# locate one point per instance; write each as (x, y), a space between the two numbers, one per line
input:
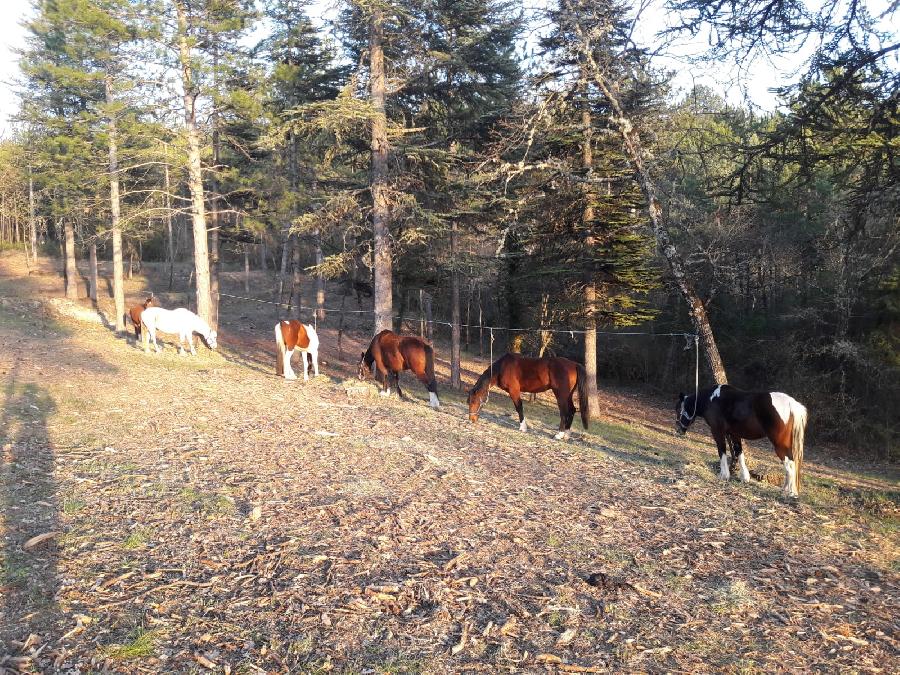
(436, 155)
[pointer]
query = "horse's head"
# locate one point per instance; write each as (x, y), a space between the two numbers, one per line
(151, 301)
(211, 340)
(362, 370)
(686, 409)
(475, 401)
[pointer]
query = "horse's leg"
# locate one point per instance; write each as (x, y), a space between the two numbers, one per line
(315, 360)
(564, 403)
(719, 437)
(289, 373)
(305, 366)
(516, 397)
(385, 382)
(738, 451)
(785, 455)
(396, 375)
(190, 337)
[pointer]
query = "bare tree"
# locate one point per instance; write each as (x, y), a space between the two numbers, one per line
(379, 175)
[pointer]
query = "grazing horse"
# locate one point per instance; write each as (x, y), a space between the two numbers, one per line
(291, 335)
(516, 374)
(135, 314)
(181, 322)
(389, 355)
(733, 414)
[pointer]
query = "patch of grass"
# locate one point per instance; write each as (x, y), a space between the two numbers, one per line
(556, 619)
(140, 645)
(72, 506)
(208, 503)
(12, 573)
(137, 538)
(733, 597)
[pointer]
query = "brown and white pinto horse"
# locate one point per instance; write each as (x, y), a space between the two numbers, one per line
(517, 374)
(733, 414)
(135, 314)
(390, 354)
(291, 335)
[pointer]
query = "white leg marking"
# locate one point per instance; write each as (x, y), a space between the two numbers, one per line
(289, 373)
(561, 435)
(305, 366)
(724, 473)
(386, 392)
(745, 474)
(523, 426)
(789, 480)
(433, 400)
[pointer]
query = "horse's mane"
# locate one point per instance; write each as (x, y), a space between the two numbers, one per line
(488, 374)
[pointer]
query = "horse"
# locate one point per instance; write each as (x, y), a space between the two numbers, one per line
(135, 314)
(291, 335)
(733, 414)
(181, 322)
(390, 354)
(516, 374)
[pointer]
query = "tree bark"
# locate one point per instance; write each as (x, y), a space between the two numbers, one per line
(379, 176)
(71, 268)
(92, 292)
(114, 209)
(31, 219)
(320, 280)
(635, 153)
(171, 240)
(246, 268)
(455, 379)
(216, 217)
(297, 281)
(283, 271)
(195, 170)
(590, 290)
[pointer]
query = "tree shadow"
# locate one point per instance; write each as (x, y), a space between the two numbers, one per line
(28, 508)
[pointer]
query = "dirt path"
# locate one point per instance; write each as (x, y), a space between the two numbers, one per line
(208, 516)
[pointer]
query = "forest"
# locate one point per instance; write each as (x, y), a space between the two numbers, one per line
(488, 163)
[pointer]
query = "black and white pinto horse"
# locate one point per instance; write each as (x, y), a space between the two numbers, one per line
(733, 414)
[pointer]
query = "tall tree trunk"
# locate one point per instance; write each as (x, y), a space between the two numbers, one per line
(114, 206)
(71, 268)
(171, 240)
(262, 252)
(215, 216)
(195, 170)
(246, 268)
(92, 292)
(282, 273)
(590, 290)
(297, 281)
(635, 153)
(320, 279)
(32, 221)
(379, 175)
(455, 379)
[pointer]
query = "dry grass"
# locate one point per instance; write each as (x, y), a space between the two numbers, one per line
(213, 517)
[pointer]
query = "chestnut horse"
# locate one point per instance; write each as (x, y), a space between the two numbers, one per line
(135, 314)
(733, 414)
(389, 355)
(291, 335)
(516, 374)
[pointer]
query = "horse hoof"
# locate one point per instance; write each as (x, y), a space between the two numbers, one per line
(523, 427)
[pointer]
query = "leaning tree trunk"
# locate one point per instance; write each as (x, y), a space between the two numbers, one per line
(455, 379)
(71, 268)
(379, 176)
(195, 170)
(635, 153)
(114, 205)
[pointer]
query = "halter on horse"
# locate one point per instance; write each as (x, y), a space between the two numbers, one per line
(517, 374)
(181, 322)
(733, 414)
(389, 354)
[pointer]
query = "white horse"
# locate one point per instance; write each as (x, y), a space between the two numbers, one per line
(181, 322)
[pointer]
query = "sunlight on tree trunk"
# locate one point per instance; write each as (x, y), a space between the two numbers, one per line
(71, 268)
(380, 203)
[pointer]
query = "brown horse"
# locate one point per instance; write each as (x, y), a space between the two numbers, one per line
(135, 314)
(389, 355)
(291, 335)
(733, 414)
(517, 374)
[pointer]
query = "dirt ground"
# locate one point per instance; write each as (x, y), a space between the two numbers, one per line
(161, 513)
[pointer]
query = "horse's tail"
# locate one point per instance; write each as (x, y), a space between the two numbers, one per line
(584, 398)
(279, 350)
(798, 415)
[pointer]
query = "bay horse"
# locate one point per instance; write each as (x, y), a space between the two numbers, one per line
(135, 314)
(291, 335)
(516, 374)
(390, 354)
(181, 322)
(733, 414)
